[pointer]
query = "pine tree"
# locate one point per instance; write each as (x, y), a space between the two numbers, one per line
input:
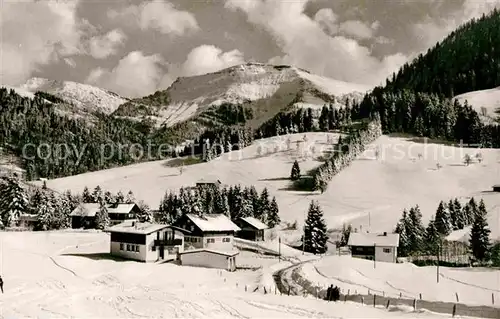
(479, 235)
(273, 218)
(404, 240)
(97, 195)
(495, 254)
(13, 200)
(346, 232)
(432, 238)
(86, 196)
(315, 230)
(415, 230)
(119, 198)
(263, 211)
(102, 218)
(295, 174)
(146, 214)
(130, 198)
(442, 221)
(45, 214)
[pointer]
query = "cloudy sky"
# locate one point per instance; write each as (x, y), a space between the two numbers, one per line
(135, 47)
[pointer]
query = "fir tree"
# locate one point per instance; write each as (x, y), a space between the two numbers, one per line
(45, 214)
(346, 232)
(119, 198)
(479, 235)
(432, 238)
(495, 254)
(315, 230)
(416, 230)
(295, 174)
(404, 240)
(13, 200)
(273, 218)
(97, 195)
(86, 196)
(146, 214)
(102, 218)
(130, 198)
(263, 205)
(442, 221)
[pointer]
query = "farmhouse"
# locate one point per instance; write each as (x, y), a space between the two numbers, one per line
(251, 228)
(145, 242)
(209, 183)
(122, 212)
(83, 216)
(209, 258)
(212, 231)
(374, 246)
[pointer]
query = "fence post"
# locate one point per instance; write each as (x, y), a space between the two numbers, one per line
(383, 293)
(246, 288)
(289, 291)
(368, 291)
(414, 304)
(400, 295)
(420, 296)
(388, 303)
(348, 291)
(265, 290)
(362, 300)
(492, 298)
(345, 298)
(454, 310)
(456, 295)
(374, 300)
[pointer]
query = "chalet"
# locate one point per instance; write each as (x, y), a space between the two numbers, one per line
(27, 221)
(147, 242)
(212, 231)
(83, 216)
(122, 212)
(208, 183)
(251, 228)
(496, 188)
(374, 246)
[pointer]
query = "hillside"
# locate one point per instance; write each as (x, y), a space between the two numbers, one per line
(84, 98)
(371, 194)
(485, 102)
(266, 89)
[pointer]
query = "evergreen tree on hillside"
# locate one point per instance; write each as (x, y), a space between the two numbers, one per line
(402, 227)
(346, 232)
(13, 201)
(457, 215)
(495, 254)
(86, 196)
(119, 198)
(130, 199)
(479, 236)
(432, 238)
(146, 213)
(97, 195)
(102, 218)
(416, 230)
(273, 218)
(442, 221)
(295, 174)
(264, 205)
(471, 211)
(45, 214)
(315, 232)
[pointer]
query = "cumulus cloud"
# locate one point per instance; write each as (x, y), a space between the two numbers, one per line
(430, 31)
(327, 20)
(135, 75)
(35, 33)
(208, 58)
(106, 45)
(158, 15)
(357, 29)
(305, 44)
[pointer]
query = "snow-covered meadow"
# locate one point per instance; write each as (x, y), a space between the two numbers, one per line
(370, 194)
(47, 275)
(473, 286)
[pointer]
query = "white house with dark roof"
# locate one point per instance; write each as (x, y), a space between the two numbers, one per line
(147, 242)
(372, 246)
(251, 228)
(122, 212)
(212, 231)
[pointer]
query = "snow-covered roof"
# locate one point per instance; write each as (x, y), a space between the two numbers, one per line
(86, 210)
(121, 209)
(134, 227)
(371, 239)
(252, 221)
(208, 180)
(213, 222)
(213, 251)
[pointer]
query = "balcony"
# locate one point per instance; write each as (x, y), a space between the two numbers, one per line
(169, 242)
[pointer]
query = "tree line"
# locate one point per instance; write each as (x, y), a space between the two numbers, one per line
(233, 201)
(416, 239)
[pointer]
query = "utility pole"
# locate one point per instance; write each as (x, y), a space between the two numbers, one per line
(374, 255)
(279, 249)
(369, 219)
(437, 268)
(304, 240)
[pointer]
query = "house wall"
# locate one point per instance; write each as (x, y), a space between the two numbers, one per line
(379, 253)
(147, 252)
(207, 259)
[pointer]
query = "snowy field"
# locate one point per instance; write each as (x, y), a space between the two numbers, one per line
(47, 276)
(370, 193)
(485, 102)
(473, 286)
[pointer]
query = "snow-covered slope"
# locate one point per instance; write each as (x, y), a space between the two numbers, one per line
(85, 97)
(280, 86)
(20, 91)
(370, 193)
(485, 102)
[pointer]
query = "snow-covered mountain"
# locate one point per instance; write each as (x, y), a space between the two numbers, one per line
(85, 98)
(264, 86)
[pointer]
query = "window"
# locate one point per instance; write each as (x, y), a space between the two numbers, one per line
(137, 248)
(121, 246)
(153, 248)
(226, 240)
(128, 247)
(387, 250)
(210, 240)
